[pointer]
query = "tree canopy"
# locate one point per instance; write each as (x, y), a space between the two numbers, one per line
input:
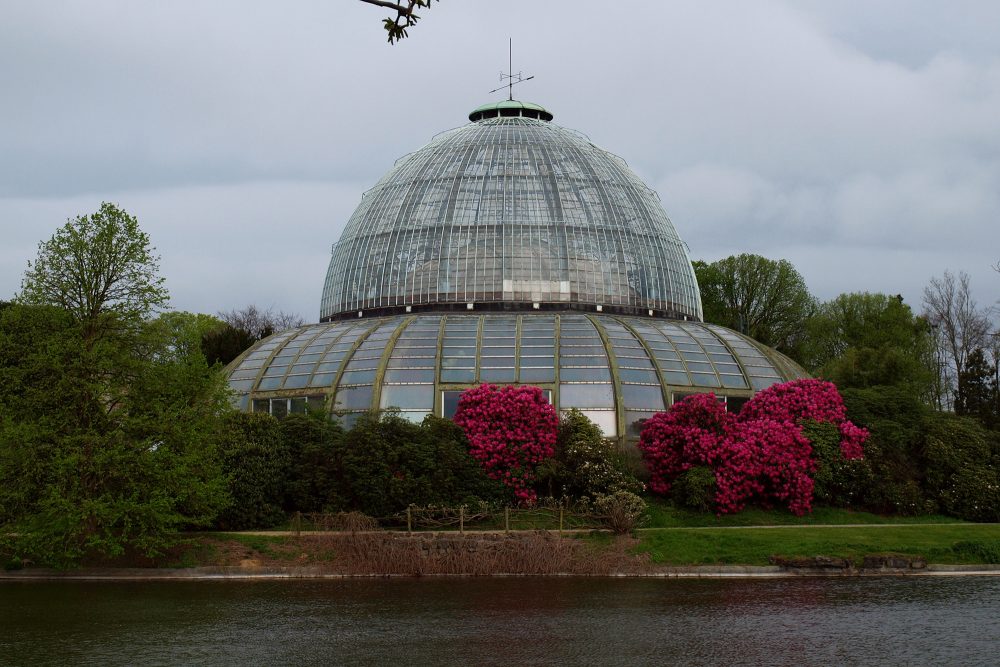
(100, 268)
(763, 298)
(397, 25)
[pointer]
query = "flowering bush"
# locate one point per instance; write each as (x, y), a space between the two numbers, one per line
(759, 455)
(510, 430)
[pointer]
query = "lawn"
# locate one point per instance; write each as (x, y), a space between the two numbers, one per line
(663, 515)
(946, 544)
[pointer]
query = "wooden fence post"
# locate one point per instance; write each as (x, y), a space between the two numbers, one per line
(506, 520)
(298, 524)
(461, 519)
(560, 522)
(409, 522)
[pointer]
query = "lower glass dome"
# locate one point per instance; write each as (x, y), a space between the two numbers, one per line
(618, 370)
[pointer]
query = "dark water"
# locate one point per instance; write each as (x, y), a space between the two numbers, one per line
(571, 621)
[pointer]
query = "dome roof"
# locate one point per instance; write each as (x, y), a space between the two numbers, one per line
(618, 370)
(510, 211)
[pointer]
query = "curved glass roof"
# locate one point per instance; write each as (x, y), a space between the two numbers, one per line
(510, 210)
(617, 369)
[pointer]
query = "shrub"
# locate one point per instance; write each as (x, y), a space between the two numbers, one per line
(585, 464)
(510, 430)
(390, 463)
(255, 461)
(621, 511)
(837, 481)
(761, 455)
(314, 472)
(695, 489)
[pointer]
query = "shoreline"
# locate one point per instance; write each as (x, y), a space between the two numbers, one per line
(236, 573)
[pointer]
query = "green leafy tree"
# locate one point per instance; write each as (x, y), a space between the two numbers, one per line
(103, 449)
(314, 474)
(107, 417)
(255, 460)
(101, 268)
(763, 298)
(977, 391)
(864, 340)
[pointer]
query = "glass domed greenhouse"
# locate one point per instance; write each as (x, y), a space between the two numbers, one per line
(511, 251)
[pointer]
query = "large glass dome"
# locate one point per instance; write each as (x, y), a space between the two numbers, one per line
(509, 251)
(510, 209)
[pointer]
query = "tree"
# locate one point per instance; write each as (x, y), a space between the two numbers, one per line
(976, 394)
(99, 267)
(239, 329)
(958, 324)
(107, 417)
(762, 298)
(104, 448)
(864, 340)
(405, 18)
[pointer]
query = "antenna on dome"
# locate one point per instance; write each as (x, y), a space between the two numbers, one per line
(510, 76)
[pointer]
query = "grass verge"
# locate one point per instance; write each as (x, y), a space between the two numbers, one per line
(967, 543)
(661, 514)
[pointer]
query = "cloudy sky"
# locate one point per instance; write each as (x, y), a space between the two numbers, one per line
(859, 139)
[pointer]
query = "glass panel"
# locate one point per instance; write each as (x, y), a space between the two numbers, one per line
(642, 396)
(241, 385)
(634, 375)
(733, 381)
(322, 379)
(458, 362)
(634, 421)
(261, 405)
(458, 375)
(586, 395)
(585, 374)
(298, 405)
(353, 398)
(582, 361)
(408, 396)
(402, 375)
(357, 377)
(705, 379)
(269, 383)
(676, 377)
(763, 383)
(412, 416)
(606, 419)
(296, 381)
(537, 375)
(537, 361)
(496, 375)
(279, 407)
(449, 403)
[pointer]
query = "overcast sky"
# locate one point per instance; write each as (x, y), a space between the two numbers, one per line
(858, 139)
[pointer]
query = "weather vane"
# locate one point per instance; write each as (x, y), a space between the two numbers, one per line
(510, 76)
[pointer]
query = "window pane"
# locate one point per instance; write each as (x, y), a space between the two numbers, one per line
(403, 375)
(585, 374)
(408, 396)
(458, 375)
(642, 396)
(496, 375)
(537, 375)
(586, 396)
(354, 398)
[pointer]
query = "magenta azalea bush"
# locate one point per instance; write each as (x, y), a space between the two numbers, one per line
(759, 455)
(511, 430)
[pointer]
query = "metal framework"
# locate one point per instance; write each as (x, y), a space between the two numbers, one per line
(617, 370)
(510, 210)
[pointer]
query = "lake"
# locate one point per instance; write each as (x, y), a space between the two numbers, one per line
(503, 621)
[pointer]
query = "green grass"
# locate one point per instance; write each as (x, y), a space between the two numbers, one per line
(967, 543)
(664, 515)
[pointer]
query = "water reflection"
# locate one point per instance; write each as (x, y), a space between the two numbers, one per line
(530, 621)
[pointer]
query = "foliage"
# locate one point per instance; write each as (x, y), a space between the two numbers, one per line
(695, 489)
(237, 330)
(761, 455)
(511, 430)
(405, 18)
(862, 340)
(763, 298)
(961, 460)
(389, 463)
(314, 471)
(622, 511)
(255, 461)
(99, 267)
(978, 394)
(105, 445)
(585, 464)
(959, 325)
(837, 480)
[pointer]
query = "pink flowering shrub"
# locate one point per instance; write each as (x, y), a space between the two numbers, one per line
(760, 455)
(510, 430)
